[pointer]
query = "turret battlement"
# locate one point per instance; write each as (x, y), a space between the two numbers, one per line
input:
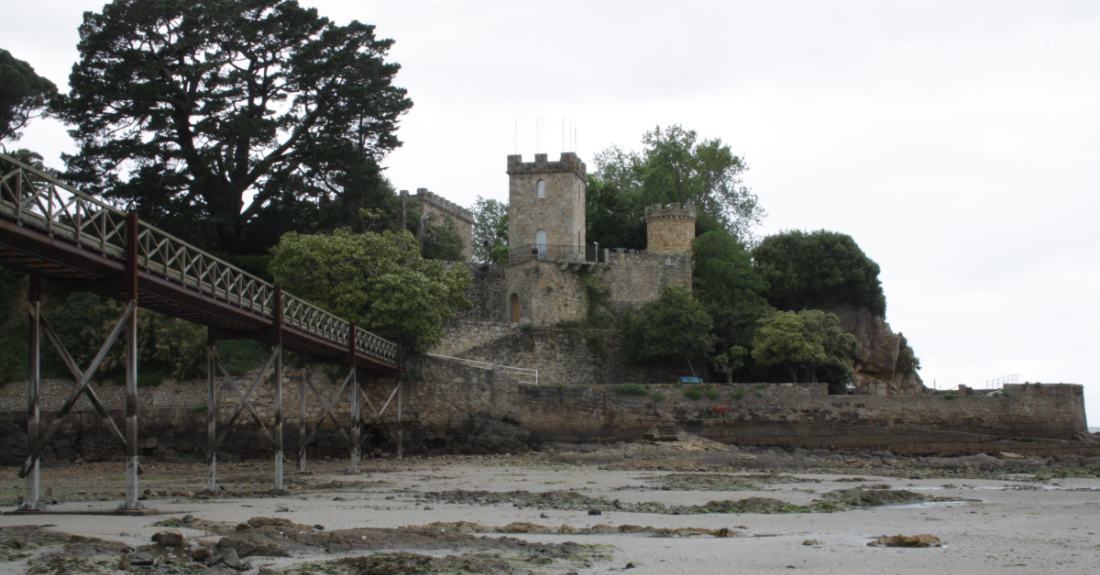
(670, 211)
(444, 205)
(569, 162)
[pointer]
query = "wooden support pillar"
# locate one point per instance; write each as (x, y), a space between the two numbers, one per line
(34, 416)
(302, 416)
(356, 420)
(211, 411)
(132, 465)
(400, 426)
(278, 313)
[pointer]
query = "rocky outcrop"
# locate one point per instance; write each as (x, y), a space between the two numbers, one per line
(884, 364)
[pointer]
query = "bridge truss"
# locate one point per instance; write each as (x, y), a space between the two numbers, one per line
(68, 241)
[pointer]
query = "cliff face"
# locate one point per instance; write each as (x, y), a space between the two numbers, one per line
(885, 364)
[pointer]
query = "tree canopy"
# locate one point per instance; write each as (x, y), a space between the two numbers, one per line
(818, 269)
(24, 95)
(380, 281)
(490, 233)
(724, 279)
(613, 218)
(676, 166)
(219, 118)
(673, 326)
(807, 341)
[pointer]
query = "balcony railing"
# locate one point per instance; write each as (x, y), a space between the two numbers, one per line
(552, 253)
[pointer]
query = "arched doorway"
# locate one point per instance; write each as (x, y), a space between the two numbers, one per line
(515, 308)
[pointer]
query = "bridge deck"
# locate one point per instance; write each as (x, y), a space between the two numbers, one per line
(79, 243)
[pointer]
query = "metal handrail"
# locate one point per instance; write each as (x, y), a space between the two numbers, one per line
(553, 253)
(37, 200)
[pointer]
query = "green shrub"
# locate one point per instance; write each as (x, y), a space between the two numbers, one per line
(712, 394)
(761, 385)
(631, 389)
(739, 394)
(693, 393)
(678, 384)
(657, 396)
(949, 395)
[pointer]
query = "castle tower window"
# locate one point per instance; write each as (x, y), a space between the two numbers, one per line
(542, 188)
(540, 242)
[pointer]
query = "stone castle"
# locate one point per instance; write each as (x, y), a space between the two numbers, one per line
(549, 255)
(542, 285)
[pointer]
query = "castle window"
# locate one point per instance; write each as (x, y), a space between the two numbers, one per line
(542, 188)
(540, 243)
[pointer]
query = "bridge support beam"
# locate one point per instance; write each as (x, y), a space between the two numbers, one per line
(277, 304)
(356, 404)
(30, 501)
(133, 467)
(211, 412)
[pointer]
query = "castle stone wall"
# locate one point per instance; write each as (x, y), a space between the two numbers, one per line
(560, 213)
(634, 278)
(462, 218)
(547, 293)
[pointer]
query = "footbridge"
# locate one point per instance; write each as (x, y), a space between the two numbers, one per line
(69, 241)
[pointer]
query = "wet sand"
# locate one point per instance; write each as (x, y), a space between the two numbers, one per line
(1037, 518)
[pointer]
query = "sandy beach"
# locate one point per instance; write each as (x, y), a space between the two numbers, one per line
(806, 512)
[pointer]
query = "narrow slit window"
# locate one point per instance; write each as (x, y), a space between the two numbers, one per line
(542, 188)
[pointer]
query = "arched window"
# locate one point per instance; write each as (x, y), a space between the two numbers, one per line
(542, 188)
(515, 308)
(540, 243)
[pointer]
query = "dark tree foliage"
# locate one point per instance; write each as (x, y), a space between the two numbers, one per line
(724, 280)
(675, 325)
(24, 95)
(818, 269)
(216, 118)
(613, 219)
(676, 166)
(490, 233)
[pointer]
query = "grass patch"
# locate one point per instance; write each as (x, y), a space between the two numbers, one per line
(632, 389)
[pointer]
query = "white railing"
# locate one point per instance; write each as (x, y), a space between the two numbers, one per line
(532, 375)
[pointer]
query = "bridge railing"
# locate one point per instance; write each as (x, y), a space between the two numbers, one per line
(38, 201)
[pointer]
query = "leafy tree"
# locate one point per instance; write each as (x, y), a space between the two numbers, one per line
(613, 218)
(444, 242)
(809, 340)
(490, 231)
(725, 281)
(675, 325)
(380, 281)
(24, 95)
(675, 166)
(220, 117)
(818, 269)
(729, 361)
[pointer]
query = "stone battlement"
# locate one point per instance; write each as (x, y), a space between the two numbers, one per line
(673, 210)
(444, 205)
(569, 162)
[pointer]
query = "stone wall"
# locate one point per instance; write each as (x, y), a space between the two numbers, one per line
(560, 213)
(448, 406)
(462, 218)
(670, 229)
(547, 294)
(487, 292)
(634, 278)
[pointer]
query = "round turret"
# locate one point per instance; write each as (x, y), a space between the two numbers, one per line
(670, 228)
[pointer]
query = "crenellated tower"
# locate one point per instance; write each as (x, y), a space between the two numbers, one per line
(546, 201)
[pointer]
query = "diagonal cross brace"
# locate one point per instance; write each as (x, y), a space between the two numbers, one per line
(78, 375)
(244, 403)
(244, 400)
(44, 439)
(327, 411)
(377, 413)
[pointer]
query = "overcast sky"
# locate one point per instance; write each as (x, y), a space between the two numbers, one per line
(957, 142)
